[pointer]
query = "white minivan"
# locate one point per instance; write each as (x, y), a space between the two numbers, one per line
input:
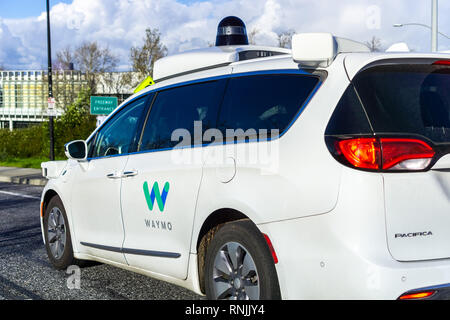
(248, 172)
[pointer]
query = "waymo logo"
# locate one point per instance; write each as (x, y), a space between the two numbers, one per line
(155, 194)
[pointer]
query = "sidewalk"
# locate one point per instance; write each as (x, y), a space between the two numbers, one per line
(22, 176)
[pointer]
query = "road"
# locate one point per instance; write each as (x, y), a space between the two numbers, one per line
(25, 272)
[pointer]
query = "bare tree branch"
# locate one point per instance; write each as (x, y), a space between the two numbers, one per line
(252, 36)
(93, 60)
(143, 58)
(64, 59)
(374, 44)
(285, 38)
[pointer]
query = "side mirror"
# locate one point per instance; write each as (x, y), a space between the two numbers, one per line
(76, 150)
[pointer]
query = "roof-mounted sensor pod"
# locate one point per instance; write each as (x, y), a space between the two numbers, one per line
(320, 49)
(231, 32)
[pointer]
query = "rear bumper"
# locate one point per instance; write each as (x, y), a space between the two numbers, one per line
(343, 254)
(323, 263)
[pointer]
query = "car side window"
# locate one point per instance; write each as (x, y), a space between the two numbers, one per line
(268, 102)
(119, 135)
(179, 108)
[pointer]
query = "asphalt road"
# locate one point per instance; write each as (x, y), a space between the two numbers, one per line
(25, 272)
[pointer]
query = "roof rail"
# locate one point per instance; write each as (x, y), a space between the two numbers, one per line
(209, 58)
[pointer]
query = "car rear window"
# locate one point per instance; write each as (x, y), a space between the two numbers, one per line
(407, 99)
(349, 117)
(270, 102)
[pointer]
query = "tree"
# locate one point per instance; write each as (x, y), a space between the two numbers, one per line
(64, 59)
(117, 82)
(143, 58)
(374, 44)
(93, 61)
(252, 36)
(285, 38)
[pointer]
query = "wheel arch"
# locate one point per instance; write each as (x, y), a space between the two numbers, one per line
(211, 224)
(49, 194)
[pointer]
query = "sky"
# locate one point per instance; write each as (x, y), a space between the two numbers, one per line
(191, 24)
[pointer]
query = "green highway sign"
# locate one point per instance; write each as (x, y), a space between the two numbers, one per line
(103, 105)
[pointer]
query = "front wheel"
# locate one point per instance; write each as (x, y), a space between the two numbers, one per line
(239, 265)
(57, 235)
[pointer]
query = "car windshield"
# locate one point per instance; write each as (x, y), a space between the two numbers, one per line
(407, 99)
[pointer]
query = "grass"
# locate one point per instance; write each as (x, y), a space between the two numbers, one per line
(34, 163)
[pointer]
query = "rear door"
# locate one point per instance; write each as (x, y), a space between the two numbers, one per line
(411, 100)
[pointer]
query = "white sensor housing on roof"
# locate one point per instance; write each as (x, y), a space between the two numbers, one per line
(320, 49)
(314, 49)
(398, 47)
(213, 57)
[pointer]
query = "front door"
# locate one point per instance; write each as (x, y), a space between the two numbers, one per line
(96, 206)
(160, 191)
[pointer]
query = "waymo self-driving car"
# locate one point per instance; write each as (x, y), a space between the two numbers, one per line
(249, 172)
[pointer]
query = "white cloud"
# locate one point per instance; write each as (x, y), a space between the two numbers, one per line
(121, 24)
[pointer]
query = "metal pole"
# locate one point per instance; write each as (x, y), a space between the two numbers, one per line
(50, 84)
(434, 25)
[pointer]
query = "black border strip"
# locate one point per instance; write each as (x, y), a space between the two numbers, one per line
(139, 252)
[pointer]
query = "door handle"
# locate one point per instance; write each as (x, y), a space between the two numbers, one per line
(130, 173)
(113, 175)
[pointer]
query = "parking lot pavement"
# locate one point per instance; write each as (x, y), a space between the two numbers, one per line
(25, 272)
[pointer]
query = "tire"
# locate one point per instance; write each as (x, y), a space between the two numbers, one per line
(239, 265)
(56, 227)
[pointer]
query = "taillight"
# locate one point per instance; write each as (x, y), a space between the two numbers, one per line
(386, 153)
(417, 295)
(442, 63)
(406, 154)
(362, 152)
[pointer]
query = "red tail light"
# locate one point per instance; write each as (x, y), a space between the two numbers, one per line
(442, 63)
(362, 153)
(387, 153)
(396, 151)
(417, 295)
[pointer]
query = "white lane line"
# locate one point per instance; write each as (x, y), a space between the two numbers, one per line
(19, 195)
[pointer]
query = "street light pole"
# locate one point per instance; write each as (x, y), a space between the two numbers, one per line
(434, 25)
(398, 25)
(50, 85)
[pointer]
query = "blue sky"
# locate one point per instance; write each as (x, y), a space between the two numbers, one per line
(191, 24)
(14, 9)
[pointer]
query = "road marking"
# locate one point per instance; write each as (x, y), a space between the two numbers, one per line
(19, 195)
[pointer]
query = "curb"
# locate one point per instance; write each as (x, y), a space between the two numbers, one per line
(22, 176)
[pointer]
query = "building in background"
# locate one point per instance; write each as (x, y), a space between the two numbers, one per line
(24, 94)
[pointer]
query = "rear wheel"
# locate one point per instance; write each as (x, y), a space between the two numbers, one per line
(239, 265)
(57, 235)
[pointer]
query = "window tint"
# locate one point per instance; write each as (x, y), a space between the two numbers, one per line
(178, 108)
(118, 136)
(264, 101)
(407, 99)
(349, 116)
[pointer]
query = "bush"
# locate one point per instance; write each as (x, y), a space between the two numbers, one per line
(34, 142)
(22, 143)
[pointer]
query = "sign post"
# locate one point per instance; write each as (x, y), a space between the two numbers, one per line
(51, 111)
(51, 100)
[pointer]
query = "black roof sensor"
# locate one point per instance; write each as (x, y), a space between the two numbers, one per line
(231, 32)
